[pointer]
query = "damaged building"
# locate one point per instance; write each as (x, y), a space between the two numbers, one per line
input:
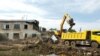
(19, 29)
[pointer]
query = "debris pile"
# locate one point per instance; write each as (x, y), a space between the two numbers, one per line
(38, 46)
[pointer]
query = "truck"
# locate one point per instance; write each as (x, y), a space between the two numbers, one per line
(72, 38)
(89, 37)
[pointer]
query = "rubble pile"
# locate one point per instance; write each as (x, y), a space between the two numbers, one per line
(46, 47)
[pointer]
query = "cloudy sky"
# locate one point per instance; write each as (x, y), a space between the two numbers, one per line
(50, 12)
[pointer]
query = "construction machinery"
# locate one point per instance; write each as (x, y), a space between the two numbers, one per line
(71, 23)
(83, 38)
(69, 20)
(91, 38)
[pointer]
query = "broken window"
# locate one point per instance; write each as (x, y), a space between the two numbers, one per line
(25, 35)
(25, 26)
(6, 26)
(17, 26)
(7, 34)
(33, 35)
(16, 36)
(35, 27)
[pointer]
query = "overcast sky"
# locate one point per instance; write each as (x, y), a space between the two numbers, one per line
(50, 12)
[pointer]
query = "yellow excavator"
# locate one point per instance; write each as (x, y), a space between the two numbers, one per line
(72, 38)
(69, 20)
(57, 34)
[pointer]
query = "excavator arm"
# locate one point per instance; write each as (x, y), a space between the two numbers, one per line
(69, 20)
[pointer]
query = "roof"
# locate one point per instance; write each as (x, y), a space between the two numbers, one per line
(16, 20)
